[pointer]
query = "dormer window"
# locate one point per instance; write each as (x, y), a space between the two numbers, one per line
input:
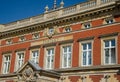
(22, 38)
(67, 29)
(36, 36)
(87, 25)
(9, 41)
(109, 21)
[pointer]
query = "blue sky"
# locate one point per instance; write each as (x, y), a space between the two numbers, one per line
(12, 10)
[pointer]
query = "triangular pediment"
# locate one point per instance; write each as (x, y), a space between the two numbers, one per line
(29, 64)
(30, 70)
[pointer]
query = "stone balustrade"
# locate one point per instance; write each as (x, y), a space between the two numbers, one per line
(58, 13)
(69, 10)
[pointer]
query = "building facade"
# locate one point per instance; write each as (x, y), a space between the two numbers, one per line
(80, 43)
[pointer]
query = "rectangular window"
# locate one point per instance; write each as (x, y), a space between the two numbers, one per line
(6, 64)
(50, 58)
(20, 60)
(35, 56)
(109, 51)
(66, 56)
(86, 54)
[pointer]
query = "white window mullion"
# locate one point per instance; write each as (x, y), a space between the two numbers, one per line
(86, 54)
(49, 58)
(110, 57)
(6, 64)
(66, 60)
(67, 57)
(35, 56)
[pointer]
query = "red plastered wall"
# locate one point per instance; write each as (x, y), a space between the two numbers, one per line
(75, 55)
(76, 27)
(118, 50)
(41, 61)
(96, 78)
(12, 63)
(96, 51)
(57, 56)
(75, 59)
(15, 40)
(97, 22)
(29, 37)
(117, 18)
(74, 78)
(3, 42)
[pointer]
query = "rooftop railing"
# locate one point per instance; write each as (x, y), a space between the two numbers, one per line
(50, 15)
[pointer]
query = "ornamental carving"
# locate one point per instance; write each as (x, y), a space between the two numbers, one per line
(50, 31)
(28, 74)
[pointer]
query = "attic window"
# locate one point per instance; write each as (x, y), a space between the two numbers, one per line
(109, 20)
(22, 38)
(67, 29)
(36, 36)
(9, 41)
(87, 25)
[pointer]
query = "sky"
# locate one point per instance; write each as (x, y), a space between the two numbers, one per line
(13, 10)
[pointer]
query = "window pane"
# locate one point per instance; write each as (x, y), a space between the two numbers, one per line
(107, 44)
(84, 58)
(65, 49)
(48, 52)
(84, 46)
(113, 57)
(106, 56)
(89, 45)
(69, 48)
(65, 60)
(113, 42)
(52, 51)
(89, 58)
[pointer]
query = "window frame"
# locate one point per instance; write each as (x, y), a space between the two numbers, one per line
(80, 52)
(22, 38)
(103, 53)
(45, 57)
(9, 41)
(9, 54)
(67, 27)
(34, 34)
(61, 55)
(87, 23)
(108, 19)
(32, 54)
(16, 67)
